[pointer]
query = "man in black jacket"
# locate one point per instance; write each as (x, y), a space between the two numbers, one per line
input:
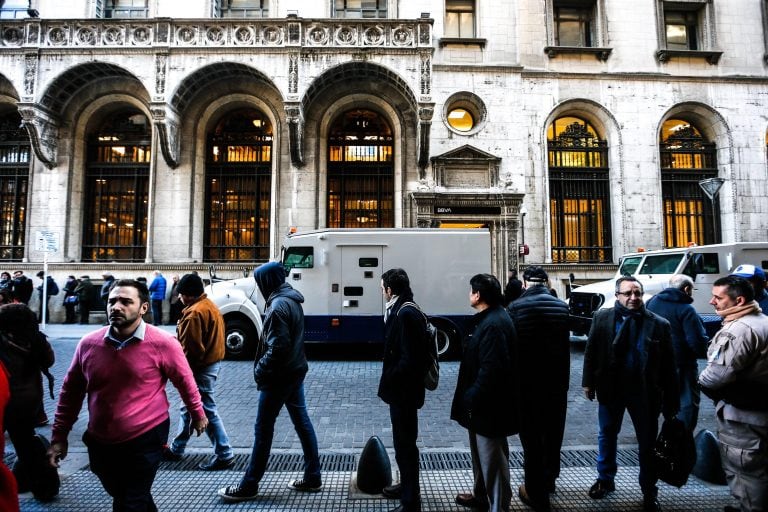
(402, 382)
(543, 348)
(486, 397)
(279, 372)
(629, 366)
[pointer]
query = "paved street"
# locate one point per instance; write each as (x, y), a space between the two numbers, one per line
(345, 410)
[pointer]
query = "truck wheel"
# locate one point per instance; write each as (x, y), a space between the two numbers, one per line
(448, 344)
(239, 340)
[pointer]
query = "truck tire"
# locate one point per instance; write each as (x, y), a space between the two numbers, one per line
(239, 339)
(448, 339)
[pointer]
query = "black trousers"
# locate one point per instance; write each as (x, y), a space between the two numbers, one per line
(541, 434)
(405, 430)
(127, 470)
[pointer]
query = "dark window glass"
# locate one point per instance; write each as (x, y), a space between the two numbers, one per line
(14, 179)
(299, 257)
(579, 195)
(707, 263)
(574, 24)
(681, 29)
(126, 9)
(241, 8)
(360, 172)
(686, 159)
(238, 179)
(369, 262)
(360, 8)
(353, 291)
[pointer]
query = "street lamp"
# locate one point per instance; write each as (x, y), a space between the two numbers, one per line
(711, 186)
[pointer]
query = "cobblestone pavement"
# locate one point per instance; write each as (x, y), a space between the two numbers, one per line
(341, 396)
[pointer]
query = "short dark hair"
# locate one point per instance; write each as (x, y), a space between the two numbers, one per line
(133, 283)
(488, 287)
(737, 287)
(397, 280)
(628, 279)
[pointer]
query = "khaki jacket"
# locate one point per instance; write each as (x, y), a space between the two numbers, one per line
(201, 333)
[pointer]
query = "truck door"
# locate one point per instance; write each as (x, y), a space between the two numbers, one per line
(361, 300)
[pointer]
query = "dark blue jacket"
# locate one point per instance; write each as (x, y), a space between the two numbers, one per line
(689, 339)
(157, 288)
(280, 359)
(762, 298)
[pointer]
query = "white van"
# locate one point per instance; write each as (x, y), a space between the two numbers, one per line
(704, 264)
(339, 273)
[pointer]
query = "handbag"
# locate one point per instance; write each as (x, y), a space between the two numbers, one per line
(72, 299)
(674, 452)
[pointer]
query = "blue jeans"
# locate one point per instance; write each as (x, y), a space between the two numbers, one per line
(646, 427)
(157, 311)
(271, 401)
(690, 396)
(206, 382)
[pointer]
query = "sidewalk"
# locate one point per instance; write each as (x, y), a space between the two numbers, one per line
(341, 396)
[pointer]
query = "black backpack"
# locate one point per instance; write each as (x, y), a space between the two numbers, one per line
(432, 375)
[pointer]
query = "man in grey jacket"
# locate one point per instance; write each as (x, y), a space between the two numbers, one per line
(736, 377)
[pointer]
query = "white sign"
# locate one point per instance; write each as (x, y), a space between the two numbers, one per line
(47, 241)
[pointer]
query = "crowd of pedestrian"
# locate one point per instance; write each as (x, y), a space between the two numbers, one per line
(513, 379)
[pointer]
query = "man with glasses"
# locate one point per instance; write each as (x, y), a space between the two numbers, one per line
(629, 366)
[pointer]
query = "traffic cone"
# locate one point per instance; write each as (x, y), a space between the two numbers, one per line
(708, 465)
(374, 471)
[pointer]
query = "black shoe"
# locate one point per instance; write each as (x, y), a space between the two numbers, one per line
(392, 492)
(541, 505)
(600, 489)
(215, 464)
(170, 455)
(469, 501)
(235, 493)
(651, 504)
(305, 485)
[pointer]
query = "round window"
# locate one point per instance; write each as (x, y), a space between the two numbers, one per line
(464, 113)
(460, 119)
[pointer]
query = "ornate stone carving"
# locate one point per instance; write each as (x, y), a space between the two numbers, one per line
(346, 36)
(425, 126)
(215, 35)
(425, 81)
(43, 130)
(58, 35)
(12, 36)
(166, 121)
(374, 36)
(244, 35)
(425, 34)
(273, 36)
(402, 36)
(113, 35)
(141, 35)
(295, 118)
(85, 35)
(186, 35)
(317, 35)
(30, 72)
(33, 32)
(293, 73)
(161, 62)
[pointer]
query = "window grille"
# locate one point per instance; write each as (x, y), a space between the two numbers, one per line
(238, 180)
(686, 159)
(360, 172)
(117, 189)
(579, 193)
(15, 153)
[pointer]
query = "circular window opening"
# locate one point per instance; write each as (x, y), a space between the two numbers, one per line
(464, 113)
(461, 119)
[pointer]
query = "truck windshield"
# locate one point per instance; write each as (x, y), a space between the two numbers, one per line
(298, 257)
(661, 263)
(629, 265)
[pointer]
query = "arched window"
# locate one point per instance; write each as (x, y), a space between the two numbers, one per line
(238, 182)
(116, 188)
(686, 159)
(14, 179)
(579, 198)
(360, 172)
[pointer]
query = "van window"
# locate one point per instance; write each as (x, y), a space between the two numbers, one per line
(298, 257)
(661, 263)
(704, 263)
(353, 291)
(629, 265)
(368, 262)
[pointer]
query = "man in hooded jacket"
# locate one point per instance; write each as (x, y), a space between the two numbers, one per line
(279, 372)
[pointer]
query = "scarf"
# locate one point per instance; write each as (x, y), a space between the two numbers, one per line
(736, 312)
(627, 350)
(388, 306)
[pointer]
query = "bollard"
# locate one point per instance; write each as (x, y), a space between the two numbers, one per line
(374, 471)
(708, 466)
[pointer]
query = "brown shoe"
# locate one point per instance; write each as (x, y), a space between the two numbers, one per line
(537, 505)
(469, 501)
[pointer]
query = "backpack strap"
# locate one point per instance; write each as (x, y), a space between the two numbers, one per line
(414, 306)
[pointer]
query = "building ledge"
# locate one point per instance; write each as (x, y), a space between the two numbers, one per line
(465, 41)
(710, 56)
(602, 54)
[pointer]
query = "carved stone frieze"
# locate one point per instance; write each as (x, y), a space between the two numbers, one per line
(425, 79)
(293, 73)
(272, 35)
(30, 74)
(374, 36)
(426, 111)
(12, 36)
(85, 35)
(58, 35)
(161, 63)
(244, 35)
(43, 130)
(295, 118)
(166, 120)
(113, 35)
(402, 36)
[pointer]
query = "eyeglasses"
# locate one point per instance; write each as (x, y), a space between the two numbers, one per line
(636, 293)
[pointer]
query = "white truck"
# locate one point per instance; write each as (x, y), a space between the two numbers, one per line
(704, 264)
(339, 273)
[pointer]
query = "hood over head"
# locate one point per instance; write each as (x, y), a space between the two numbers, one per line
(269, 277)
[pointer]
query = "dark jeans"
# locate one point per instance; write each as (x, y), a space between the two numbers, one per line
(85, 312)
(157, 311)
(405, 430)
(690, 396)
(646, 429)
(19, 422)
(127, 470)
(271, 401)
(541, 434)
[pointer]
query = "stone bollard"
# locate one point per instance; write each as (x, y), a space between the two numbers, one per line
(374, 471)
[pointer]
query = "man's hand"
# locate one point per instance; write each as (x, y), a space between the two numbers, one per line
(589, 393)
(200, 425)
(56, 452)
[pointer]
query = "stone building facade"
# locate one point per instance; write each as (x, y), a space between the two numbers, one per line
(175, 134)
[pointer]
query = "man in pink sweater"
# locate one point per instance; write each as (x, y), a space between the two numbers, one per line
(123, 369)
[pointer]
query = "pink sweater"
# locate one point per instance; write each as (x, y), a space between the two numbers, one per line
(126, 388)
